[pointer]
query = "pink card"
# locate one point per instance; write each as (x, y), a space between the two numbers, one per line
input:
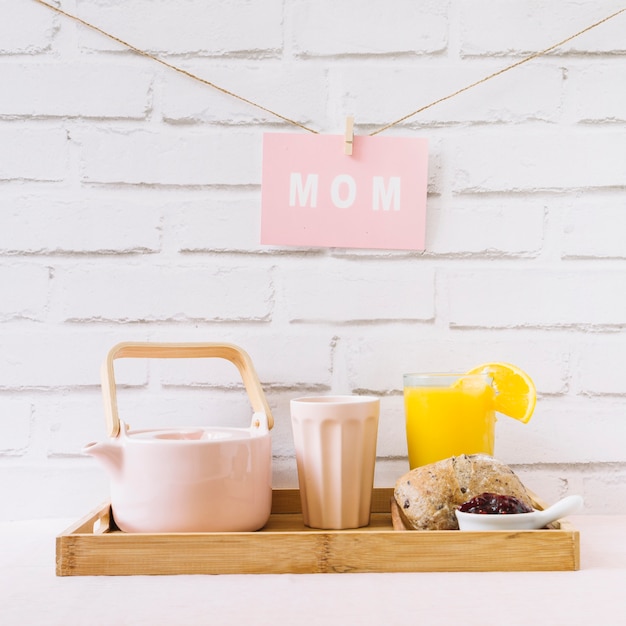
(313, 194)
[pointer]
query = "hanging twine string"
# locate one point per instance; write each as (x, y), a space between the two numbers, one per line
(180, 70)
(502, 71)
(171, 66)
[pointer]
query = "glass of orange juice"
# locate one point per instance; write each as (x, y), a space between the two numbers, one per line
(448, 415)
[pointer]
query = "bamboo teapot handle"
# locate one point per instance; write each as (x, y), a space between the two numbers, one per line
(230, 352)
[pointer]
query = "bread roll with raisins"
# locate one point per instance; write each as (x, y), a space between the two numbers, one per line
(427, 496)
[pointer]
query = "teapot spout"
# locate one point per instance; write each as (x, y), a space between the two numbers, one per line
(109, 454)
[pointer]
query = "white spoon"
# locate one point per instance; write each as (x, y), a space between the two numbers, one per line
(519, 521)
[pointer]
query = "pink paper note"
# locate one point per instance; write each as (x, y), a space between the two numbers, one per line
(313, 194)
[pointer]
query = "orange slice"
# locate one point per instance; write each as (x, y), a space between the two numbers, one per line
(515, 393)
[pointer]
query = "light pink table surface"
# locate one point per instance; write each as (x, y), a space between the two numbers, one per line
(31, 594)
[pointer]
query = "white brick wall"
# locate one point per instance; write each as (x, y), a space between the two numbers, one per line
(130, 209)
(236, 27)
(85, 89)
(355, 28)
(32, 153)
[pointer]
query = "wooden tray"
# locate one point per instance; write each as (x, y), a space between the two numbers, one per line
(93, 546)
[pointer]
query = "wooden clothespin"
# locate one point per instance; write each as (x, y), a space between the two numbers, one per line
(349, 136)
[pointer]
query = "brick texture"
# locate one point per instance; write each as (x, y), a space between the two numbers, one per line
(75, 90)
(33, 153)
(375, 31)
(26, 28)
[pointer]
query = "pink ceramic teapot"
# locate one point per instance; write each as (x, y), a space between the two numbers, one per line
(190, 479)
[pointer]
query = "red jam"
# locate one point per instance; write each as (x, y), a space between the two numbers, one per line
(492, 504)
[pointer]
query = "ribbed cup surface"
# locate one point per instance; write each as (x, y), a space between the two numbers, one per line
(335, 442)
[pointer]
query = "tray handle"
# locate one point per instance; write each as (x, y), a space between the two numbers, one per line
(230, 352)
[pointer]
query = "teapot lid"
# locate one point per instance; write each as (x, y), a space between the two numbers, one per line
(257, 428)
(191, 434)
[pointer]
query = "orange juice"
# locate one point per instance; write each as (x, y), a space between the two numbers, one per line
(448, 415)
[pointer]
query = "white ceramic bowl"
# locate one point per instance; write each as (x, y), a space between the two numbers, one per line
(519, 521)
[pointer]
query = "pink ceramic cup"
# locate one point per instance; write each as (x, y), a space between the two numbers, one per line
(335, 442)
